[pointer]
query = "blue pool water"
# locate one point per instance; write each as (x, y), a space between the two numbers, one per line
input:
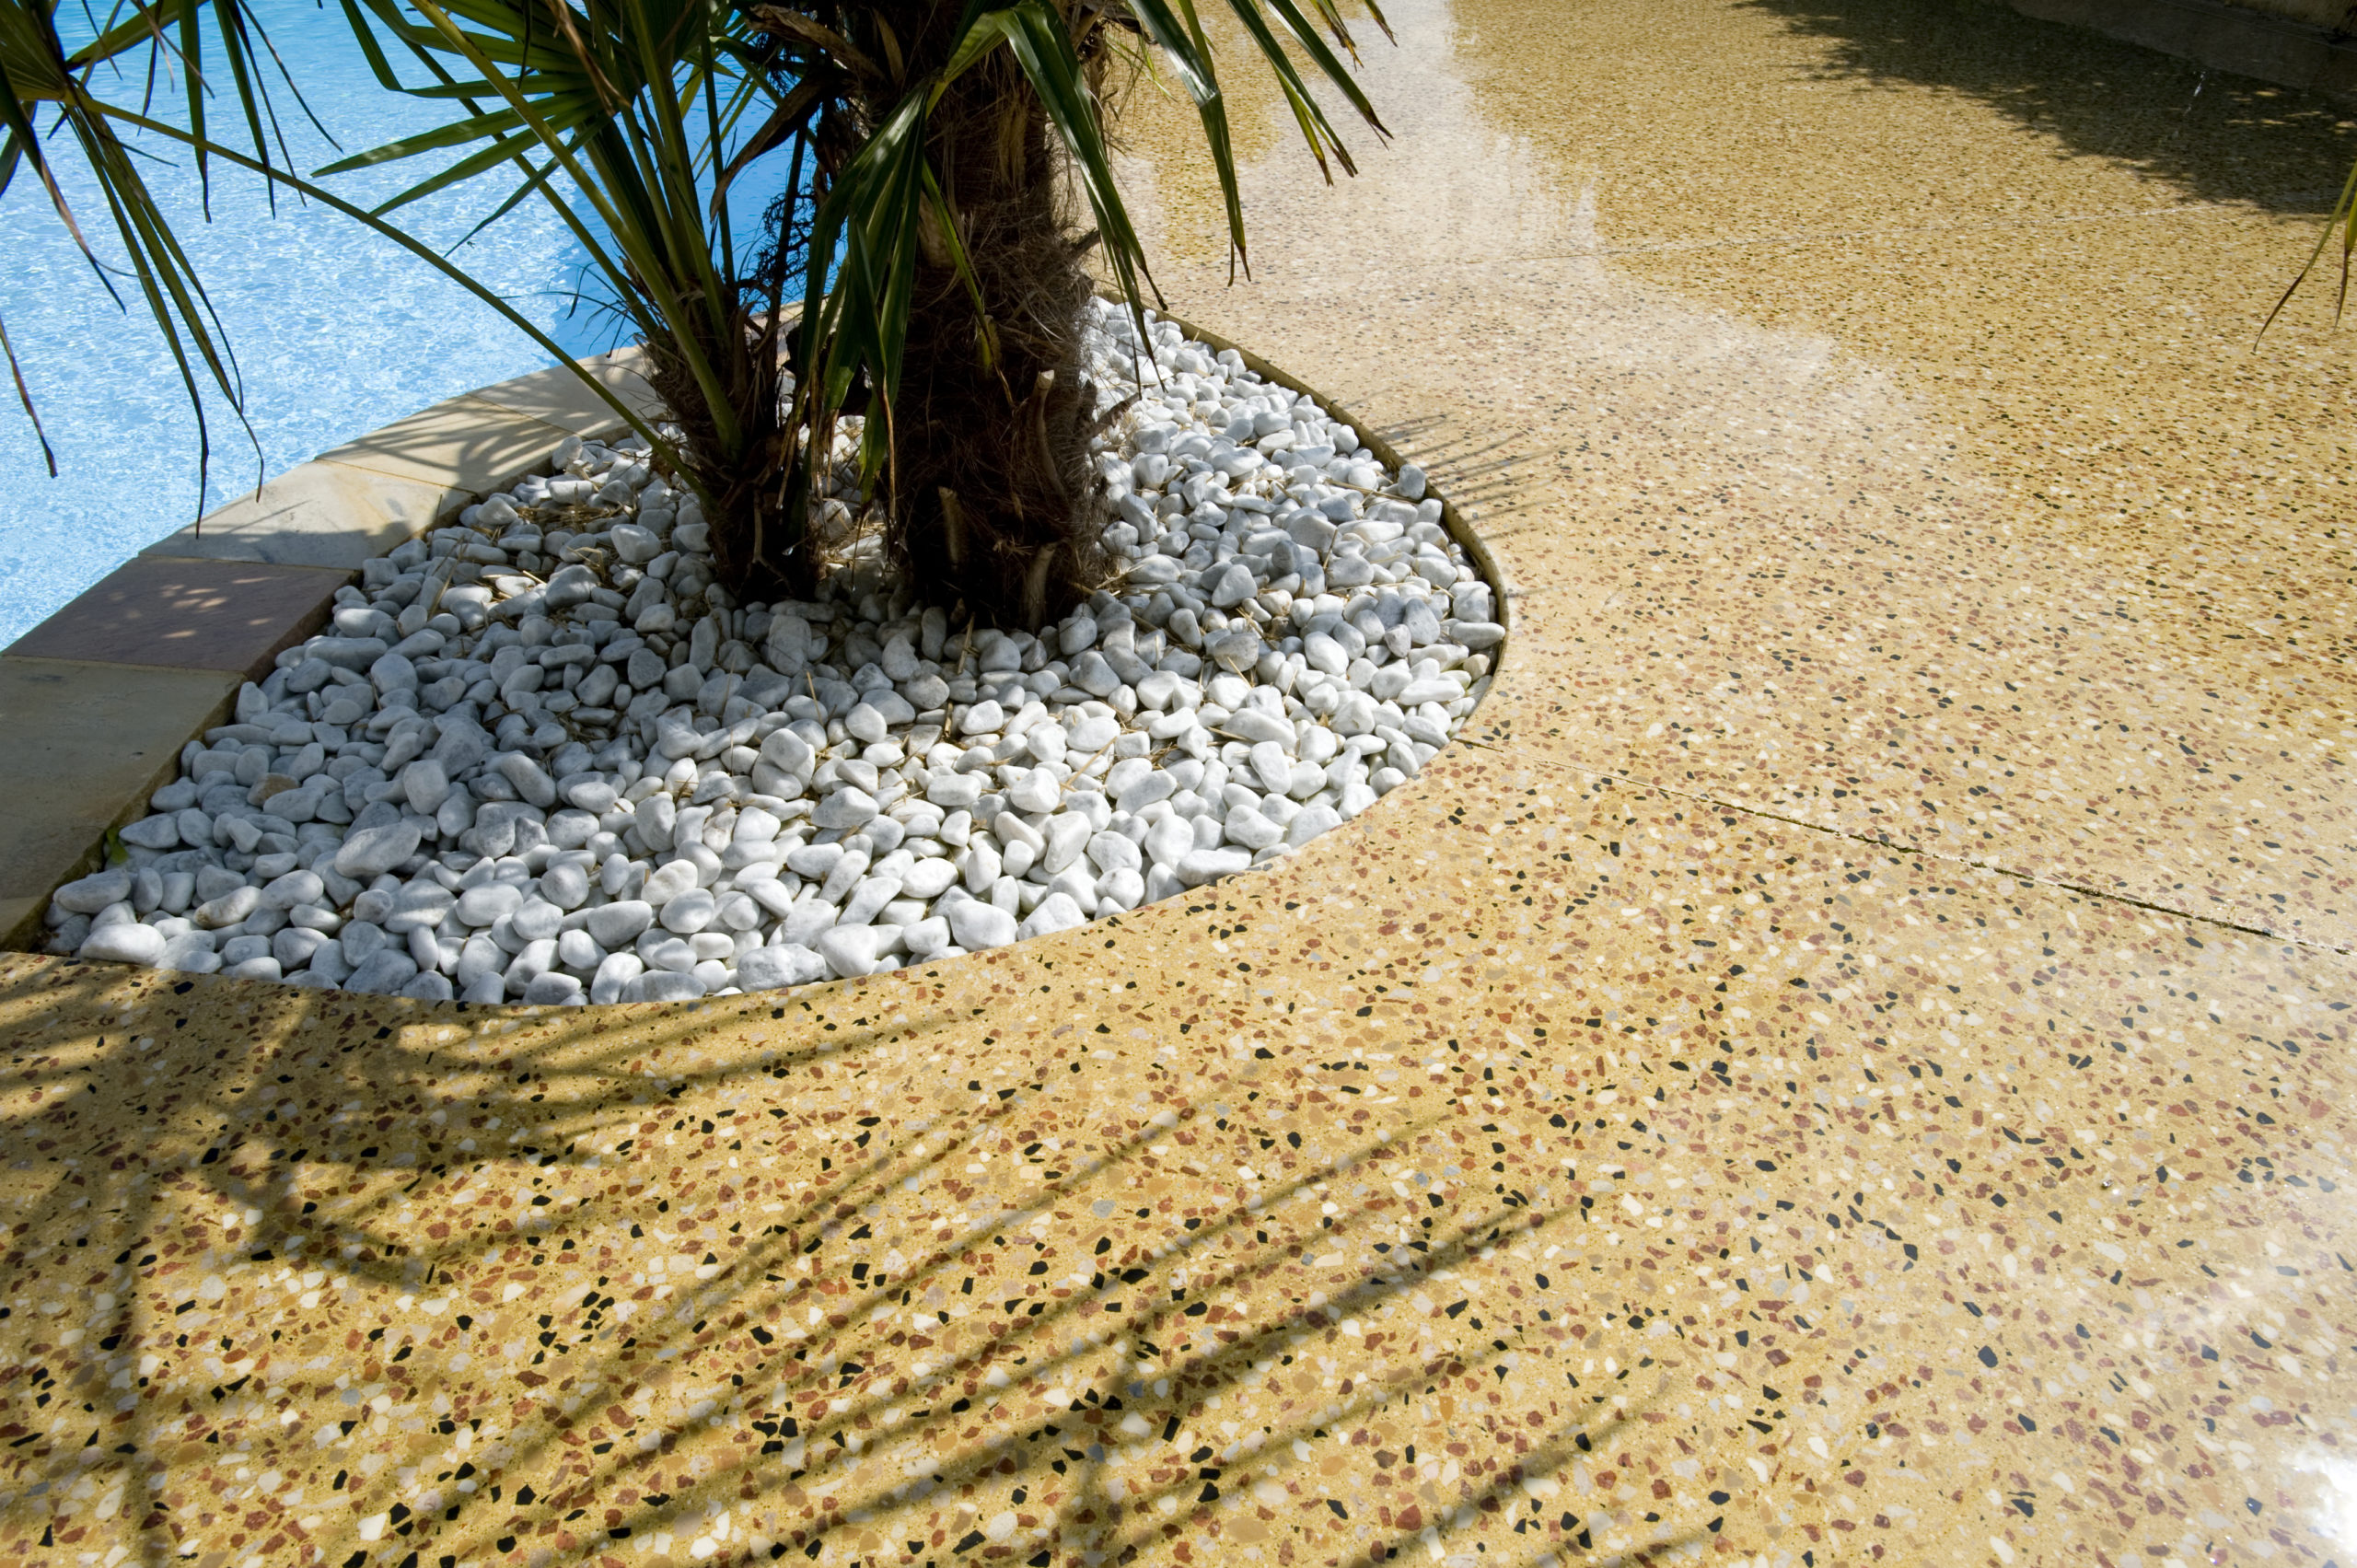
(336, 331)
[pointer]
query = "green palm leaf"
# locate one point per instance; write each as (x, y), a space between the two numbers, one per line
(409, 242)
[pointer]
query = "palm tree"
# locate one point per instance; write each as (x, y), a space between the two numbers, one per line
(613, 113)
(617, 113)
(941, 272)
(944, 140)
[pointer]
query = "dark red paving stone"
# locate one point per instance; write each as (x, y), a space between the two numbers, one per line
(184, 614)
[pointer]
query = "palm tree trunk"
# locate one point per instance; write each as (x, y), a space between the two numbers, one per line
(736, 453)
(992, 490)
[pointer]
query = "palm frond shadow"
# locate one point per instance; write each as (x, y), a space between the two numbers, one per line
(826, 1354)
(1478, 469)
(2217, 136)
(1196, 1376)
(1191, 1377)
(125, 1096)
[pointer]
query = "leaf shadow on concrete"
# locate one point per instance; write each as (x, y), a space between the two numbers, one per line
(2219, 137)
(202, 1149)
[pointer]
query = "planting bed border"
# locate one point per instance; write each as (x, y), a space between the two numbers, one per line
(97, 699)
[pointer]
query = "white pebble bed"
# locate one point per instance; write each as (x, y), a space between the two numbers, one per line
(539, 756)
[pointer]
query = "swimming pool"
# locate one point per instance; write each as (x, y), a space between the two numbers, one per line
(336, 331)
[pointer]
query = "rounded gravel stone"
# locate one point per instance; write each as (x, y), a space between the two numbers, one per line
(689, 912)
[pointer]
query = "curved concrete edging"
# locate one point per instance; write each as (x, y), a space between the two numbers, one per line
(100, 698)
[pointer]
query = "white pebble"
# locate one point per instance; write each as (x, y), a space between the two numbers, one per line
(372, 851)
(668, 881)
(768, 968)
(978, 925)
(1057, 911)
(94, 892)
(1198, 867)
(1037, 791)
(689, 912)
(124, 942)
(849, 950)
(1248, 827)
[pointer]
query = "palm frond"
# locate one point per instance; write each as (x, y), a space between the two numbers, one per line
(1037, 38)
(872, 214)
(2342, 218)
(409, 242)
(1189, 54)
(603, 93)
(633, 120)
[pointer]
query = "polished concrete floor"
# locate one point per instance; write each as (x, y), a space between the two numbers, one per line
(1842, 1064)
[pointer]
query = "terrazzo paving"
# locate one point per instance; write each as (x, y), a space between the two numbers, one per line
(1618, 1144)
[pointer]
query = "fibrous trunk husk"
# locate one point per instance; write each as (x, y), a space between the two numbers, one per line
(734, 461)
(994, 495)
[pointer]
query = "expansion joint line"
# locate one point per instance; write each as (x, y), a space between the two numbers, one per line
(2032, 877)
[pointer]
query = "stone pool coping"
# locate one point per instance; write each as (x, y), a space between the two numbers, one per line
(98, 698)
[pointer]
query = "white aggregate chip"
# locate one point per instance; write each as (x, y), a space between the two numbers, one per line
(540, 756)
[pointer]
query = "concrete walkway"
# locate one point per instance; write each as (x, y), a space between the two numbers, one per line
(1841, 1063)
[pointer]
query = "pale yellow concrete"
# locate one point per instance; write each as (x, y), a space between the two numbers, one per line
(471, 442)
(1907, 345)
